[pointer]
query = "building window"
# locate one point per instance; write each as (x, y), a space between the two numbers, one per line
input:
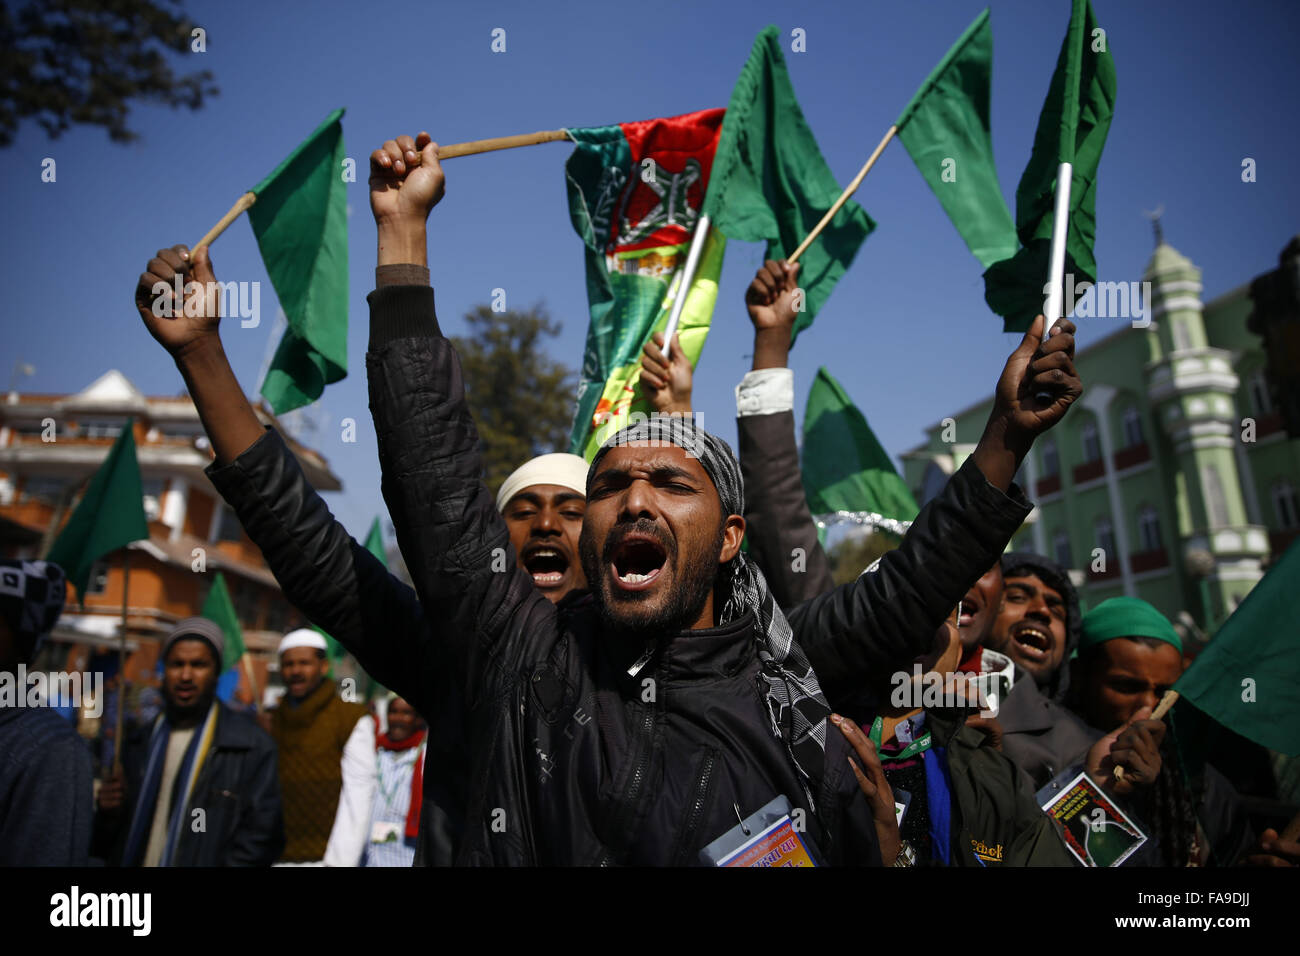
(1149, 529)
(1132, 427)
(46, 488)
(1216, 503)
(1061, 549)
(228, 528)
(97, 580)
(1091, 445)
(1104, 536)
(1286, 508)
(101, 429)
(1260, 398)
(1051, 460)
(153, 492)
(1182, 336)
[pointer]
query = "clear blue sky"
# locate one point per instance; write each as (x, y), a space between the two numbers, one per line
(1201, 86)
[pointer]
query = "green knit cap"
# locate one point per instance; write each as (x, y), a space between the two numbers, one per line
(1126, 617)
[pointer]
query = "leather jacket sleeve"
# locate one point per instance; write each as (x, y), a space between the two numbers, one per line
(324, 573)
(480, 605)
(777, 519)
(887, 617)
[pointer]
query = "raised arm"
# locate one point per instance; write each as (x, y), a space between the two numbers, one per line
(781, 532)
(884, 619)
(323, 572)
(453, 539)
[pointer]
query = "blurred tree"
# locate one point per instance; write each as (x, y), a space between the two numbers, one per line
(855, 552)
(84, 61)
(522, 400)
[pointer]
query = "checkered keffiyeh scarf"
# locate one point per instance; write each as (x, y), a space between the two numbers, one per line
(796, 705)
(32, 594)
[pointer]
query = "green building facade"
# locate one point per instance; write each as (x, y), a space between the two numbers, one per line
(1172, 479)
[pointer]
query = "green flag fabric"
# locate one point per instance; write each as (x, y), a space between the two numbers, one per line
(375, 542)
(635, 192)
(300, 220)
(1072, 128)
(1247, 676)
(771, 183)
(945, 129)
(220, 610)
(109, 516)
(844, 466)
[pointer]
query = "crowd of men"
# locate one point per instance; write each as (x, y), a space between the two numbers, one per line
(630, 687)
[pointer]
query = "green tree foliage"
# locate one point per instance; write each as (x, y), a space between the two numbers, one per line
(522, 400)
(855, 552)
(85, 61)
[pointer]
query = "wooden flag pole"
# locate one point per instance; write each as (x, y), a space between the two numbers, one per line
(1166, 704)
(444, 152)
(844, 197)
(121, 665)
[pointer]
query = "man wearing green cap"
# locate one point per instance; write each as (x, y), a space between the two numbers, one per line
(1129, 656)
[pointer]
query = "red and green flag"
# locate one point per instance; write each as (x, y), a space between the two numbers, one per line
(1072, 128)
(635, 195)
(301, 223)
(771, 184)
(109, 516)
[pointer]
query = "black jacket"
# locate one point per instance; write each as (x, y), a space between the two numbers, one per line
(238, 790)
(995, 819)
(570, 759)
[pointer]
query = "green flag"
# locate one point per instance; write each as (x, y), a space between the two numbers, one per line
(1072, 129)
(946, 131)
(1247, 676)
(109, 516)
(844, 466)
(300, 220)
(220, 610)
(375, 542)
(770, 182)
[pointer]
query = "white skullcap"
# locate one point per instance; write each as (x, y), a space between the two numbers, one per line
(303, 637)
(567, 471)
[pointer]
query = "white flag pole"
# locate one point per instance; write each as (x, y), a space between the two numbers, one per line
(688, 276)
(1060, 226)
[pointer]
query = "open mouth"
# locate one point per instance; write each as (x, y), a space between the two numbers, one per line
(1034, 642)
(547, 565)
(970, 609)
(637, 562)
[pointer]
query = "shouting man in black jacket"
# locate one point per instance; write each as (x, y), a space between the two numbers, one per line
(641, 724)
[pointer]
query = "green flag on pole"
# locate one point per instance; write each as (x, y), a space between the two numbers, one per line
(1072, 129)
(375, 542)
(220, 610)
(109, 516)
(844, 466)
(770, 182)
(1246, 678)
(946, 131)
(300, 220)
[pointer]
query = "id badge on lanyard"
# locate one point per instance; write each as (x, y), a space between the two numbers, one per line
(765, 838)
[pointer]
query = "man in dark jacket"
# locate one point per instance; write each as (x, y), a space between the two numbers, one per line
(600, 733)
(199, 787)
(46, 782)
